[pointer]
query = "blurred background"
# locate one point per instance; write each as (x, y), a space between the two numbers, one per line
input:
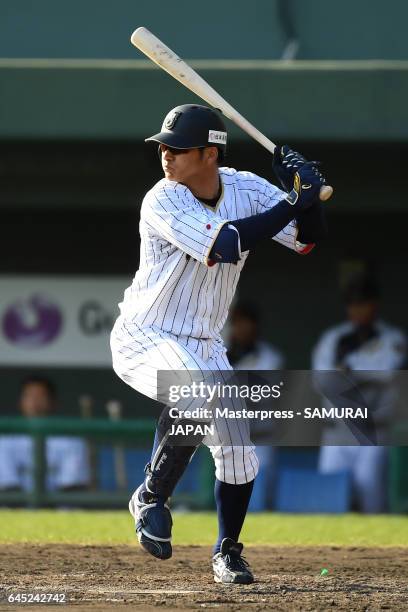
(76, 102)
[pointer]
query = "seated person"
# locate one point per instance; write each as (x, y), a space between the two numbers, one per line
(66, 456)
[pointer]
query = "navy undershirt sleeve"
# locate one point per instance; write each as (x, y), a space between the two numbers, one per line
(229, 243)
(265, 225)
(226, 248)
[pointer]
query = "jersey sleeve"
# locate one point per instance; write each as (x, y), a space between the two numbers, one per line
(172, 214)
(379, 363)
(262, 196)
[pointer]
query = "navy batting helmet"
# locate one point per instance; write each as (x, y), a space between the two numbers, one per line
(191, 126)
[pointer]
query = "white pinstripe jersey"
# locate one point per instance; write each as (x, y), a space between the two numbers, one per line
(177, 289)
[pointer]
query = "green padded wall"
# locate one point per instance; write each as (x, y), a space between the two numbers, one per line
(362, 29)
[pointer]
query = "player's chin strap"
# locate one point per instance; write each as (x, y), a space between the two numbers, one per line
(172, 455)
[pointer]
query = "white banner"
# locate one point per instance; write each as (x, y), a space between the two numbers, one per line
(58, 321)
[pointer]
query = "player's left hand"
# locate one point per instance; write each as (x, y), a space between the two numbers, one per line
(287, 162)
(306, 188)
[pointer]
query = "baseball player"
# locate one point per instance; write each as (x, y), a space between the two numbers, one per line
(197, 226)
(373, 350)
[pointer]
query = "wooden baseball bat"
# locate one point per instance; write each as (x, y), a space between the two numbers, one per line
(157, 51)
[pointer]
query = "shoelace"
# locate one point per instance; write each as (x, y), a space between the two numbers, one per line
(235, 563)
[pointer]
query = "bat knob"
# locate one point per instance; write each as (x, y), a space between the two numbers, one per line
(326, 193)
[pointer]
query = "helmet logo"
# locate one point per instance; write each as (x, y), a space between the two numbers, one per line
(217, 137)
(170, 120)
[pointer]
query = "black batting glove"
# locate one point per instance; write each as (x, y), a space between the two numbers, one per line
(287, 162)
(306, 187)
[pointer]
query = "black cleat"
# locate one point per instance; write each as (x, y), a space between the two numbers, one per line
(228, 565)
(153, 523)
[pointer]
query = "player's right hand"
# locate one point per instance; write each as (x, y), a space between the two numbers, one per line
(286, 162)
(306, 187)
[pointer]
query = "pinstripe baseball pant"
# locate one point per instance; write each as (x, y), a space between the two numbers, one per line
(138, 354)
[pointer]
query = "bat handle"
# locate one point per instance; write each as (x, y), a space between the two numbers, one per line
(326, 193)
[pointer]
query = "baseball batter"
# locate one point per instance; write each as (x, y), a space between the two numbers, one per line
(197, 226)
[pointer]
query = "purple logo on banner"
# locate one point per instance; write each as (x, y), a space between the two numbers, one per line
(33, 322)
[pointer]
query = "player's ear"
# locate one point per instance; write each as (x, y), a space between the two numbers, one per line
(211, 154)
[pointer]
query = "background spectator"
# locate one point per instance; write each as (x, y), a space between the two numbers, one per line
(66, 456)
(246, 351)
(373, 348)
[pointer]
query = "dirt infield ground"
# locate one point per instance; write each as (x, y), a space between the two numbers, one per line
(103, 577)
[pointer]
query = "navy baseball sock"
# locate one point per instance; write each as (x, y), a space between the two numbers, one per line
(232, 505)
